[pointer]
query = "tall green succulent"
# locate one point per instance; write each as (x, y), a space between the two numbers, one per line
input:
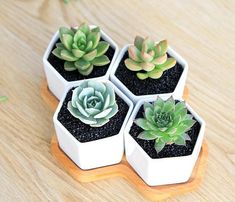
(165, 122)
(81, 49)
(93, 103)
(148, 59)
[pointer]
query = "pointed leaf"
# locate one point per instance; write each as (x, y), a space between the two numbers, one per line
(101, 61)
(59, 45)
(146, 57)
(142, 123)
(142, 76)
(96, 29)
(101, 48)
(103, 114)
(138, 42)
(146, 135)
(160, 60)
(98, 86)
(67, 41)
(84, 28)
(89, 46)
(180, 141)
(155, 74)
(68, 56)
(147, 44)
(86, 71)
(134, 54)
(69, 66)
(57, 52)
(90, 56)
(64, 30)
(100, 122)
(82, 64)
(113, 112)
(78, 53)
(159, 145)
(167, 65)
(77, 114)
(147, 66)
(132, 65)
(94, 37)
(79, 35)
(163, 44)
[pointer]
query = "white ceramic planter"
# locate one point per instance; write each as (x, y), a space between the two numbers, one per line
(56, 83)
(161, 171)
(97, 153)
(177, 93)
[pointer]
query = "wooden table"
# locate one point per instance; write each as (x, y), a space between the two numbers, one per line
(203, 32)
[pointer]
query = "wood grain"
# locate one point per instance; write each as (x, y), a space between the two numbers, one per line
(201, 31)
(124, 170)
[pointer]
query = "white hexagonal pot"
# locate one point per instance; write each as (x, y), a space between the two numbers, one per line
(179, 89)
(56, 83)
(97, 153)
(162, 171)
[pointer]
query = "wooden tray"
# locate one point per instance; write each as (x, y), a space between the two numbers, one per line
(123, 169)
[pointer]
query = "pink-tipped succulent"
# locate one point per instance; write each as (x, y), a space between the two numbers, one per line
(148, 59)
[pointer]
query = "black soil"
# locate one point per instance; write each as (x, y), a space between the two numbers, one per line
(58, 64)
(169, 150)
(85, 133)
(165, 84)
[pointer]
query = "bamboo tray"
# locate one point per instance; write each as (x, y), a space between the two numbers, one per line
(123, 169)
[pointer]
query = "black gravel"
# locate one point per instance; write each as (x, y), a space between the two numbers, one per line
(165, 84)
(169, 150)
(85, 133)
(58, 64)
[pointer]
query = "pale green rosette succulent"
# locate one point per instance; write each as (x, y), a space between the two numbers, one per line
(148, 59)
(165, 122)
(93, 103)
(81, 49)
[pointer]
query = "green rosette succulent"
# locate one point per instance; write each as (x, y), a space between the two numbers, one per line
(93, 103)
(81, 49)
(165, 122)
(148, 59)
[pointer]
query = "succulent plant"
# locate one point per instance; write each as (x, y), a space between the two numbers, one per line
(148, 59)
(165, 122)
(93, 103)
(81, 49)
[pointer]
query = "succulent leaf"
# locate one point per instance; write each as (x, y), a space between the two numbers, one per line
(132, 65)
(82, 64)
(90, 56)
(142, 76)
(69, 66)
(86, 71)
(148, 58)
(167, 65)
(165, 122)
(67, 41)
(79, 45)
(84, 28)
(68, 56)
(147, 135)
(78, 53)
(134, 53)
(155, 74)
(93, 103)
(101, 60)
(147, 66)
(102, 48)
(57, 52)
(138, 42)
